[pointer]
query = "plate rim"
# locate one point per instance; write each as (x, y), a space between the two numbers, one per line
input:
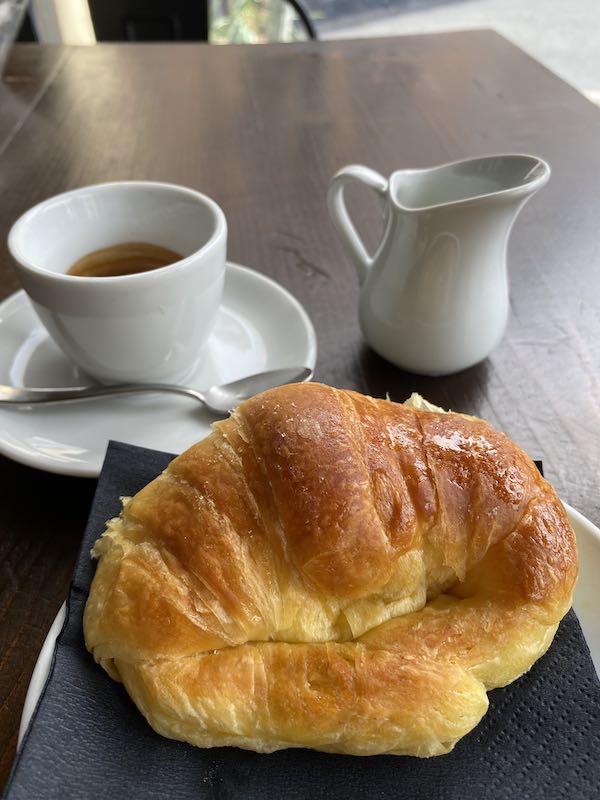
(45, 659)
(79, 470)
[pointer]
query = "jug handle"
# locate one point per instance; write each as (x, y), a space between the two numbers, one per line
(339, 213)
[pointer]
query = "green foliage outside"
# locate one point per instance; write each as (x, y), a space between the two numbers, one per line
(254, 21)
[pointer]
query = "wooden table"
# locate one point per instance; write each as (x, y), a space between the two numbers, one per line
(262, 130)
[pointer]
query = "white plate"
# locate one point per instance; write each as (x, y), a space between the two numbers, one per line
(260, 326)
(585, 604)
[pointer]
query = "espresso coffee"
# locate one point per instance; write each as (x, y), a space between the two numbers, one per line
(123, 259)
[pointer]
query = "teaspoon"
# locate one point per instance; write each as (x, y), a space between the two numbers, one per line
(218, 399)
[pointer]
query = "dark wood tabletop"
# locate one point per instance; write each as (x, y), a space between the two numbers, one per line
(262, 129)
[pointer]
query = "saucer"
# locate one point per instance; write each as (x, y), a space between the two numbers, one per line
(260, 326)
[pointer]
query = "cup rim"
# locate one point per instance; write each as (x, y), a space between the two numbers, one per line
(16, 230)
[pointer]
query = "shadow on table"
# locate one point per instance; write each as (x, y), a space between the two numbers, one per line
(381, 379)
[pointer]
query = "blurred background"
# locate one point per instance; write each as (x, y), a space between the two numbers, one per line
(561, 35)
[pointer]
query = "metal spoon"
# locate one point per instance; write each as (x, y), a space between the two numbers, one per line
(218, 399)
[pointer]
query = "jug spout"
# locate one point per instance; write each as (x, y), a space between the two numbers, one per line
(469, 183)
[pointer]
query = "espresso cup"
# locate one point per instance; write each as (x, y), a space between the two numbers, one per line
(143, 327)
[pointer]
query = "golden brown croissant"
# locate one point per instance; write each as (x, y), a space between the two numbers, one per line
(332, 571)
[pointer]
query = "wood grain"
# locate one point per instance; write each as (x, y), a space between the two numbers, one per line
(28, 73)
(43, 517)
(262, 130)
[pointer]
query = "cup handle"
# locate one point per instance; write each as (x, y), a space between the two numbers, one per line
(339, 213)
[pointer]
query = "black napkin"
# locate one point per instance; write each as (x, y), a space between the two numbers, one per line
(539, 739)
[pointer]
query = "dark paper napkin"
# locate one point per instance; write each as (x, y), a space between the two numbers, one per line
(539, 739)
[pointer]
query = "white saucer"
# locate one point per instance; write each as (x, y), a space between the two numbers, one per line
(585, 604)
(260, 326)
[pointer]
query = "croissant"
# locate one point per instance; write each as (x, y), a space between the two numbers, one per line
(332, 571)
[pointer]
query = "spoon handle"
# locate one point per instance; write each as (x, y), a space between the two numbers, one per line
(219, 399)
(11, 394)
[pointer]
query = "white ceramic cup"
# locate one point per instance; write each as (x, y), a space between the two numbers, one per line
(149, 326)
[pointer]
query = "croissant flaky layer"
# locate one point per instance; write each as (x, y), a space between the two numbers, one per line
(332, 571)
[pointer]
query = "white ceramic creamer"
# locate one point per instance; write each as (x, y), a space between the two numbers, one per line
(434, 296)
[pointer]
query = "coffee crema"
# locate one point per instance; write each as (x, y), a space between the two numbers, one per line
(127, 258)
